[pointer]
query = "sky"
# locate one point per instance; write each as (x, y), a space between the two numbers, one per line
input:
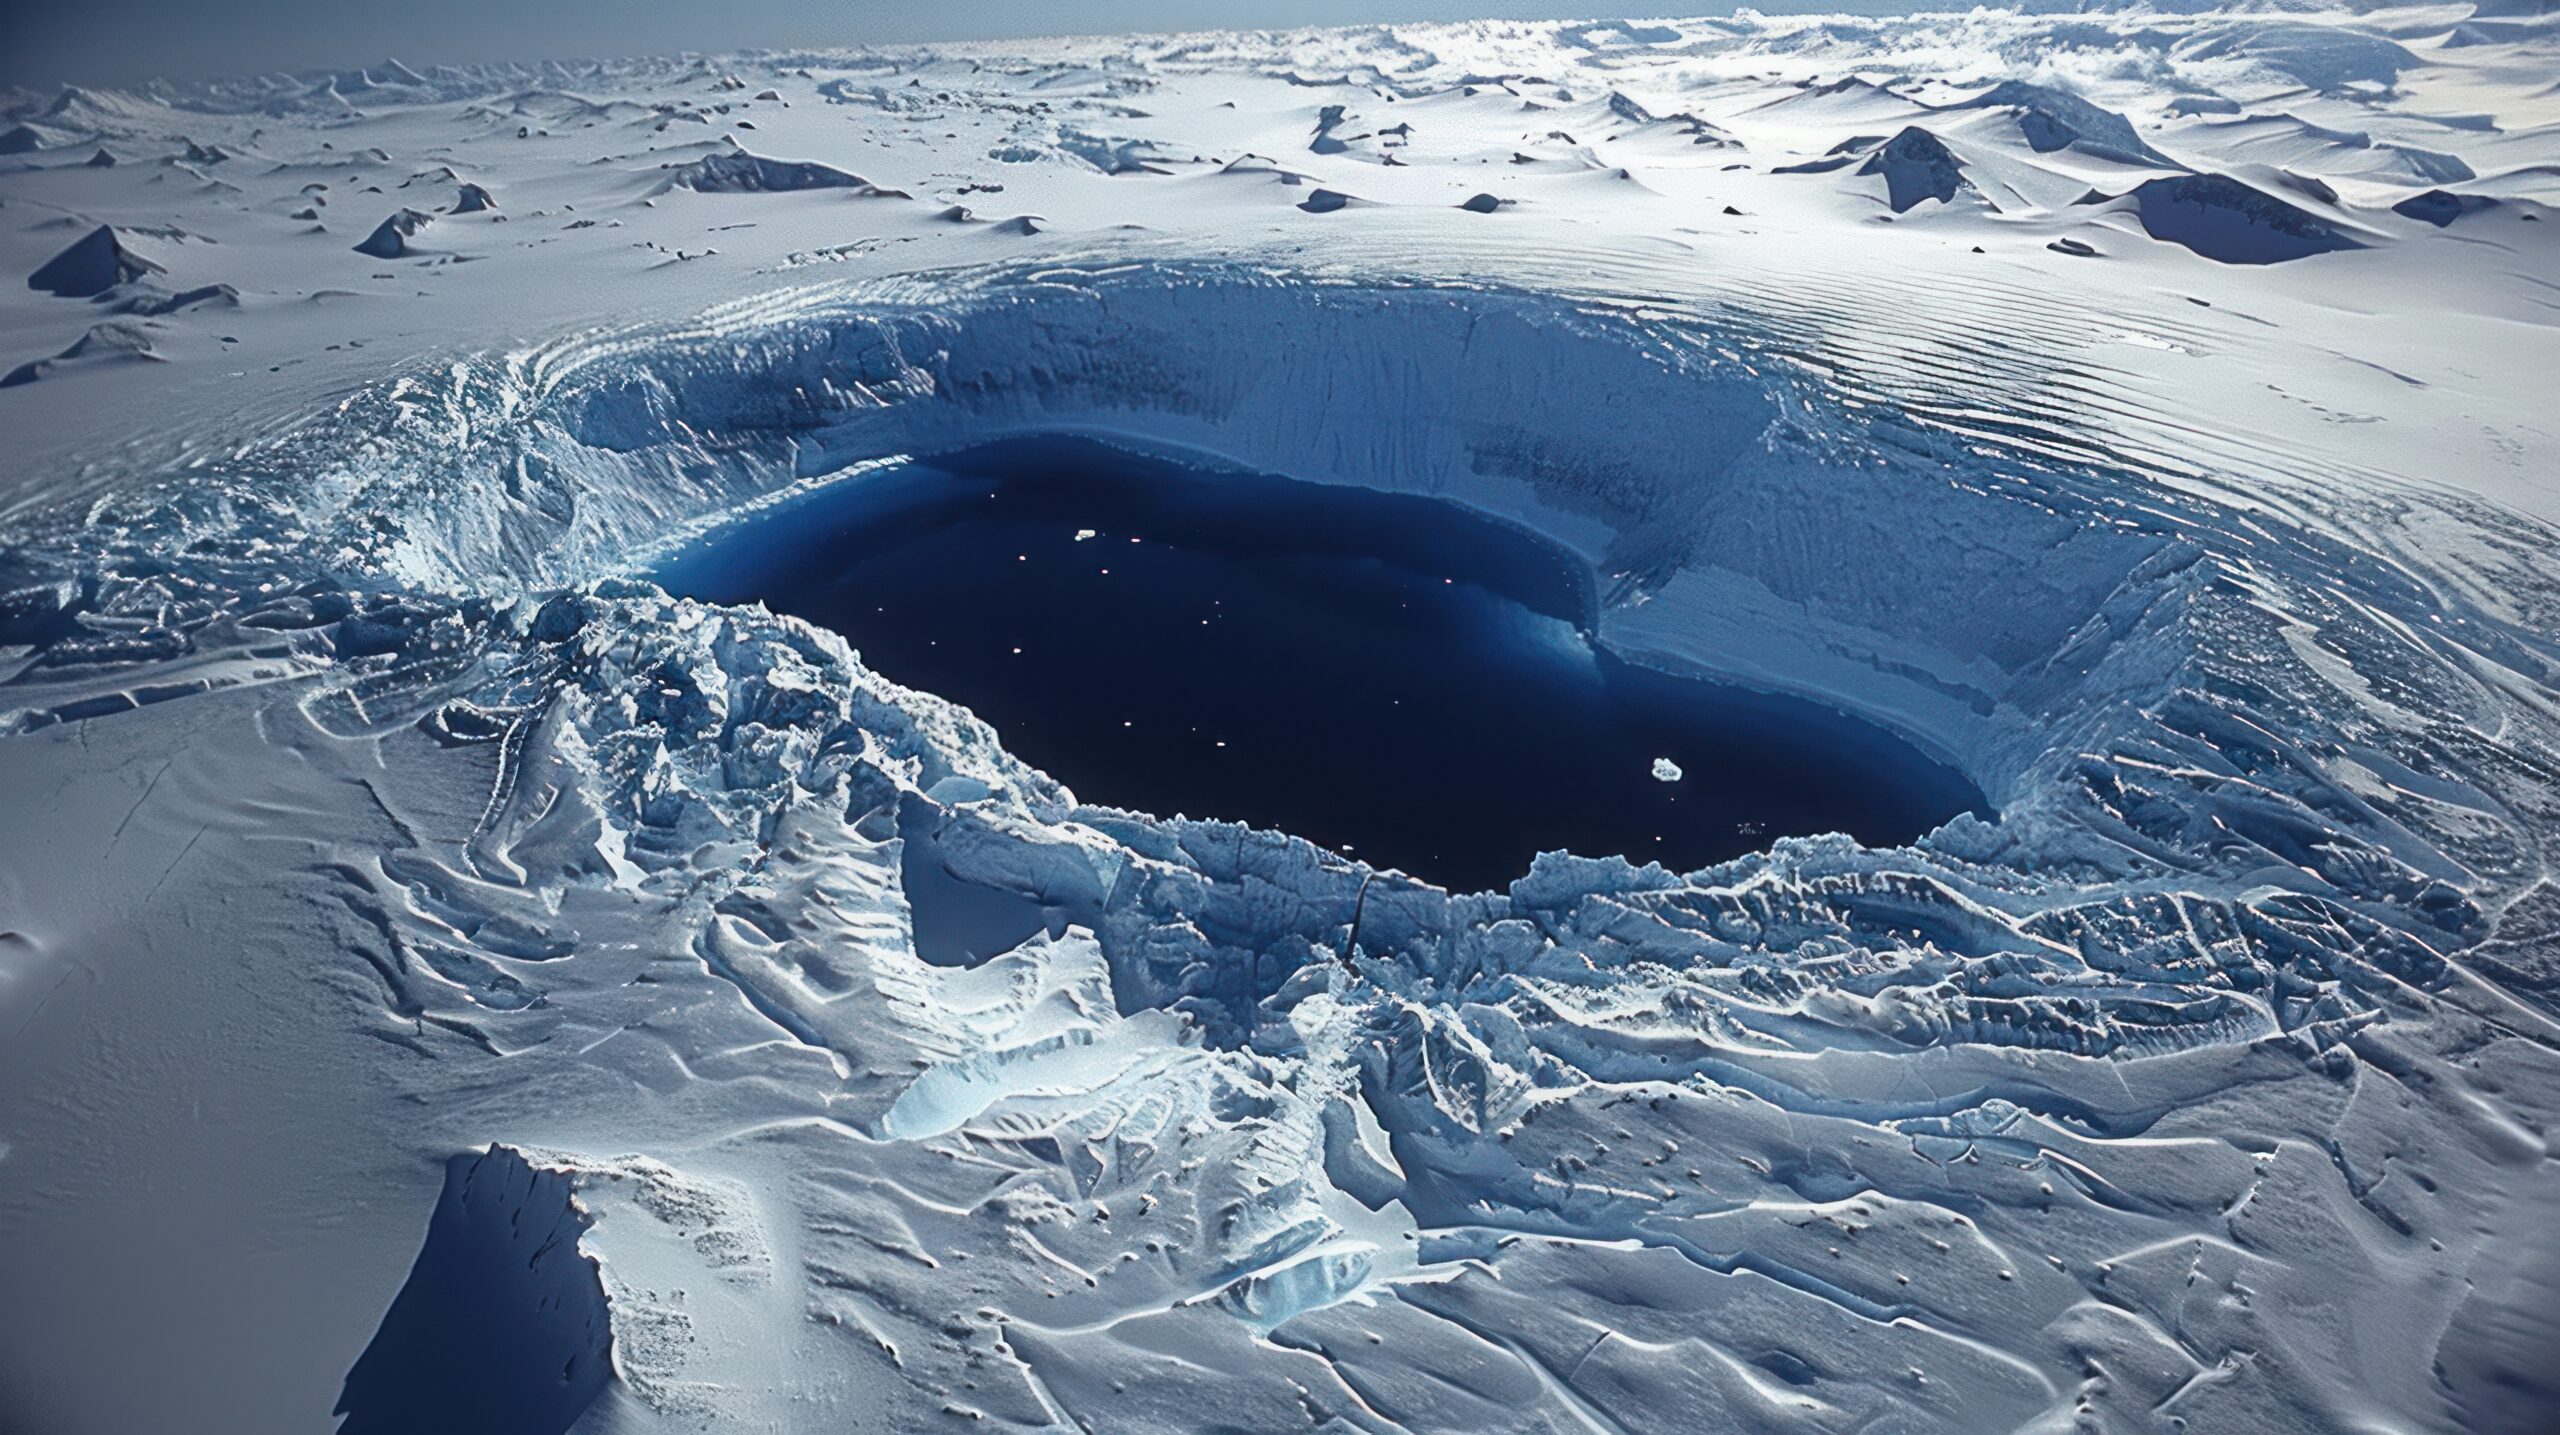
(49, 42)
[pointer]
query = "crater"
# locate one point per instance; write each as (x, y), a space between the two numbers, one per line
(1394, 676)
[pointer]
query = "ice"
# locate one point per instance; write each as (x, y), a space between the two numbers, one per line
(372, 823)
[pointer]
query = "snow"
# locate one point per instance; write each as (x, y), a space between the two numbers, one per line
(2145, 413)
(390, 239)
(94, 264)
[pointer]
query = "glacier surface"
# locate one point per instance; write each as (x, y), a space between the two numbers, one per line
(389, 862)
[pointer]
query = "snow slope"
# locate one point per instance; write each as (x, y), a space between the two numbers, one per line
(394, 876)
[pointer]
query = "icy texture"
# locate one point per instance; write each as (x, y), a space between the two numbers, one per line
(2202, 887)
(2210, 1084)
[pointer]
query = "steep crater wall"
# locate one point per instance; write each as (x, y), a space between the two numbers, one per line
(2154, 691)
(1727, 526)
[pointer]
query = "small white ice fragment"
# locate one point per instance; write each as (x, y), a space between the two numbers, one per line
(1084, 533)
(1665, 770)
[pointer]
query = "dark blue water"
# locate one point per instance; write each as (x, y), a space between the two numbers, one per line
(1391, 676)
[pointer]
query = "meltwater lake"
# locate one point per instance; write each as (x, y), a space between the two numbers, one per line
(1393, 676)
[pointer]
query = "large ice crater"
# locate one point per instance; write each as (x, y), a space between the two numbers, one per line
(2148, 692)
(2245, 813)
(1391, 675)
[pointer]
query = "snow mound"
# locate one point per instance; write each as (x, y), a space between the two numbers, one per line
(1839, 156)
(2232, 223)
(2442, 207)
(390, 76)
(739, 172)
(1325, 141)
(1109, 154)
(94, 264)
(390, 239)
(2053, 119)
(2288, 141)
(147, 299)
(1852, 99)
(27, 139)
(2188, 106)
(117, 342)
(1626, 108)
(1917, 165)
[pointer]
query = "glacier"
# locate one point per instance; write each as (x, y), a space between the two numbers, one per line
(384, 843)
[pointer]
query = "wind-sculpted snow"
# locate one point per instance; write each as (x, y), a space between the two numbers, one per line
(2207, 1087)
(1958, 1109)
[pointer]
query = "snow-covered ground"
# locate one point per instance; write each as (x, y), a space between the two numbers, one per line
(2151, 413)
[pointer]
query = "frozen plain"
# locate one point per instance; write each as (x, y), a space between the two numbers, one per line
(2149, 412)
